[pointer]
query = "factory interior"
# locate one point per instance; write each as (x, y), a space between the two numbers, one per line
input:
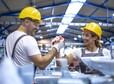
(57, 20)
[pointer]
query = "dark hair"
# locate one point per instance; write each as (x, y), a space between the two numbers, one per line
(97, 43)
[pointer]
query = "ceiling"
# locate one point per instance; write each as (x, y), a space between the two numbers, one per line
(52, 11)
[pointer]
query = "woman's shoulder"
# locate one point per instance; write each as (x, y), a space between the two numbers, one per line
(105, 49)
(77, 49)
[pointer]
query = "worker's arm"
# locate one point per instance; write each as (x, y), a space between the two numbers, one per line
(69, 58)
(42, 61)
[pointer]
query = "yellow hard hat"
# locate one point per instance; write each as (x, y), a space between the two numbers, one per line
(95, 28)
(30, 12)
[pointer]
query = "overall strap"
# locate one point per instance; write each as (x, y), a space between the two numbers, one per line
(101, 51)
(83, 52)
(12, 56)
(14, 50)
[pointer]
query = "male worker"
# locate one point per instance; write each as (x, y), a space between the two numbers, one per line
(26, 50)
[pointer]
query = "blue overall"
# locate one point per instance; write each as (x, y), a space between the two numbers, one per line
(84, 68)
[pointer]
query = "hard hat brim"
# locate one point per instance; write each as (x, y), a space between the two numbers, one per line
(40, 21)
(82, 29)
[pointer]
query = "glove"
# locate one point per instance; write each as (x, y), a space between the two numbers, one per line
(57, 39)
(58, 42)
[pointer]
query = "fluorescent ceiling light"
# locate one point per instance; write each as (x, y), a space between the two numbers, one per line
(70, 13)
(61, 29)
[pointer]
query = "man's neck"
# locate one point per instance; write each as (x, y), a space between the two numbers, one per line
(22, 28)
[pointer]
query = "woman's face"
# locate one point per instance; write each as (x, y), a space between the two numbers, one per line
(88, 38)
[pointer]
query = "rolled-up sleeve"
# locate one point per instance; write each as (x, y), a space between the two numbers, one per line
(76, 53)
(32, 47)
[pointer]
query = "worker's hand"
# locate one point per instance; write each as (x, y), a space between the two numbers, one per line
(58, 42)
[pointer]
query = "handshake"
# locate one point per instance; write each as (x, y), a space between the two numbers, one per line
(58, 42)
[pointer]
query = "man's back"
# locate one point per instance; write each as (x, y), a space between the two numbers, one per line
(23, 48)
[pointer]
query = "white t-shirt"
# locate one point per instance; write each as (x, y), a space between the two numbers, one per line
(26, 46)
(77, 52)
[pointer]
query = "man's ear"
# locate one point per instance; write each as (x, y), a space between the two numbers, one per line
(26, 22)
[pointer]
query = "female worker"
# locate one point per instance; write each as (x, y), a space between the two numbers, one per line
(91, 34)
